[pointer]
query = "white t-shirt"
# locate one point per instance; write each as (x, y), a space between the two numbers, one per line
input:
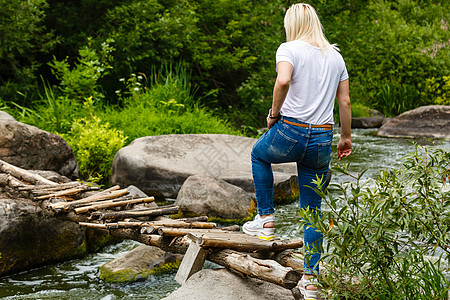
(314, 81)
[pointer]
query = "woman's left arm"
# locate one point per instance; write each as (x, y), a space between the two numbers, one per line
(280, 90)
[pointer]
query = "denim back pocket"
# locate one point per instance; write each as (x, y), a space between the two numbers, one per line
(281, 144)
(323, 153)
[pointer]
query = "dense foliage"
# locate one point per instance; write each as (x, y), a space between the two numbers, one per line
(389, 238)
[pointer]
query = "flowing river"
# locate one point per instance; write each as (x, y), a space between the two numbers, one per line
(78, 279)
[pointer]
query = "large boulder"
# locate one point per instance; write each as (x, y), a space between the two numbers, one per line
(159, 165)
(30, 148)
(204, 195)
(427, 121)
(210, 284)
(139, 264)
(30, 238)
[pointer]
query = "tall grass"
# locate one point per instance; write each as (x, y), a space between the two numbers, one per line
(164, 103)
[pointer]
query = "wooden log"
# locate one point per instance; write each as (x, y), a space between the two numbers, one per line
(171, 223)
(99, 226)
(119, 215)
(240, 241)
(268, 270)
(85, 209)
(23, 174)
(195, 219)
(13, 182)
(61, 191)
(67, 192)
(104, 195)
(60, 186)
(288, 258)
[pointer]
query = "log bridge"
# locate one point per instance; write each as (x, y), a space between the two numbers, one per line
(127, 216)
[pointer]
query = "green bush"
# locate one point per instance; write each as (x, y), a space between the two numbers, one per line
(379, 232)
(437, 90)
(95, 144)
(81, 81)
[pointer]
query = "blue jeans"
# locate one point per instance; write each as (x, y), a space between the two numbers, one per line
(310, 148)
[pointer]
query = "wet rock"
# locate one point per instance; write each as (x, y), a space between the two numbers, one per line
(374, 121)
(29, 238)
(204, 195)
(159, 165)
(30, 148)
(210, 284)
(424, 122)
(139, 264)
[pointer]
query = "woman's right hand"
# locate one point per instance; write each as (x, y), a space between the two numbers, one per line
(344, 148)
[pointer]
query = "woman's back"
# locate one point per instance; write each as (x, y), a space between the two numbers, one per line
(315, 78)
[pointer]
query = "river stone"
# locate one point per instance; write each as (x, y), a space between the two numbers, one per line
(204, 195)
(159, 165)
(210, 284)
(6, 116)
(30, 239)
(375, 120)
(30, 148)
(138, 264)
(427, 121)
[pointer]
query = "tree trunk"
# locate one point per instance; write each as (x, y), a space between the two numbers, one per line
(268, 270)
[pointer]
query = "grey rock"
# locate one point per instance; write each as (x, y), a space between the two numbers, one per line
(204, 195)
(137, 264)
(368, 122)
(424, 122)
(159, 165)
(30, 148)
(221, 284)
(374, 121)
(29, 238)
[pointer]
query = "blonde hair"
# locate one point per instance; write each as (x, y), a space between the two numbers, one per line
(302, 23)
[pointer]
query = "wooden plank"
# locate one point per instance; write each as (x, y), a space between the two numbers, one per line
(23, 174)
(192, 262)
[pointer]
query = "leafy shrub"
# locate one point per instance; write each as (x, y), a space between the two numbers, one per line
(380, 231)
(81, 81)
(437, 90)
(94, 144)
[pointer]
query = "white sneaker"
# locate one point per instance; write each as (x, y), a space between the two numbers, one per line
(256, 227)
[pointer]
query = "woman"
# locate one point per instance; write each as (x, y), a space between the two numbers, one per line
(311, 73)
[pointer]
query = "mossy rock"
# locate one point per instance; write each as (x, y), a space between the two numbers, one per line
(139, 264)
(130, 275)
